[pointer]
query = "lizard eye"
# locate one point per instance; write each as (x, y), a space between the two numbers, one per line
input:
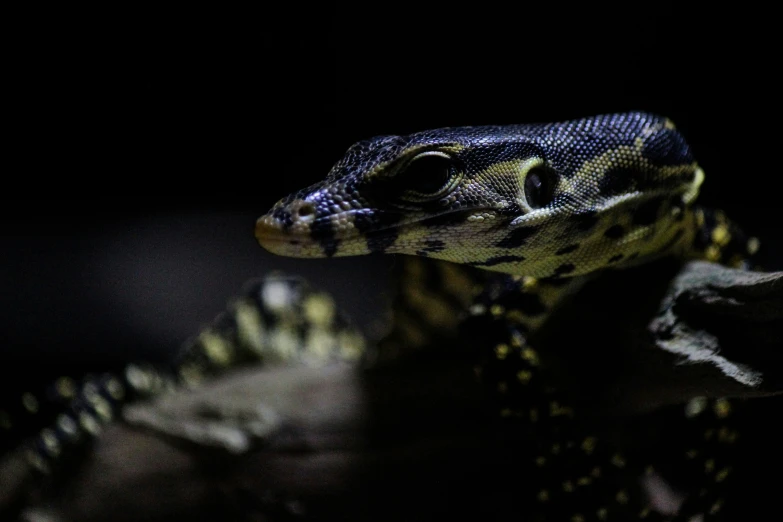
(426, 176)
(540, 186)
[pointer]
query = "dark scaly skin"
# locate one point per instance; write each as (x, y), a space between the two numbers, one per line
(622, 193)
(623, 183)
(94, 401)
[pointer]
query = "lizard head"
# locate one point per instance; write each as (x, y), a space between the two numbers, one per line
(542, 200)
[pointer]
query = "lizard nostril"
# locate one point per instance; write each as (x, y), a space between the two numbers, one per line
(306, 210)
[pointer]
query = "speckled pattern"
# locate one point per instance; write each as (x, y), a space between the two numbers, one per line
(618, 187)
(519, 211)
(542, 204)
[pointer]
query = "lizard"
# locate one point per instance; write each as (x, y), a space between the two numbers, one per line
(546, 207)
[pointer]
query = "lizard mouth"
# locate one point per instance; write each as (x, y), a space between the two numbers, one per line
(321, 238)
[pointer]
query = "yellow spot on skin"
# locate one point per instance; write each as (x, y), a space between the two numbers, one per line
(577, 518)
(695, 406)
(726, 435)
(90, 392)
(67, 426)
(530, 356)
(596, 472)
(102, 408)
(753, 246)
(543, 495)
(497, 310)
(501, 351)
(477, 309)
(515, 317)
(722, 474)
(38, 462)
(138, 378)
(285, 341)
(517, 341)
(712, 253)
(216, 348)
(722, 408)
(618, 460)
(709, 466)
(524, 376)
(588, 445)
(556, 410)
(644, 513)
(351, 344)
(699, 218)
(89, 424)
(115, 388)
(529, 284)
(540, 461)
(29, 402)
(721, 235)
(50, 441)
(65, 387)
(622, 497)
(318, 346)
(716, 507)
(602, 514)
(191, 374)
(250, 326)
(555, 449)
(584, 481)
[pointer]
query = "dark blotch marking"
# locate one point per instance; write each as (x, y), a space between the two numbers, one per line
(633, 256)
(434, 245)
(492, 261)
(703, 237)
(379, 242)
(614, 232)
(615, 258)
(329, 246)
(517, 237)
(618, 181)
(323, 232)
(565, 268)
(378, 226)
(647, 213)
(450, 219)
(554, 281)
(584, 221)
(567, 249)
(422, 253)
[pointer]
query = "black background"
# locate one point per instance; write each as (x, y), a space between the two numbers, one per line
(141, 145)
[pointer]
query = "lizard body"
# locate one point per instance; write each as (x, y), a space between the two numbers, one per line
(503, 224)
(548, 206)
